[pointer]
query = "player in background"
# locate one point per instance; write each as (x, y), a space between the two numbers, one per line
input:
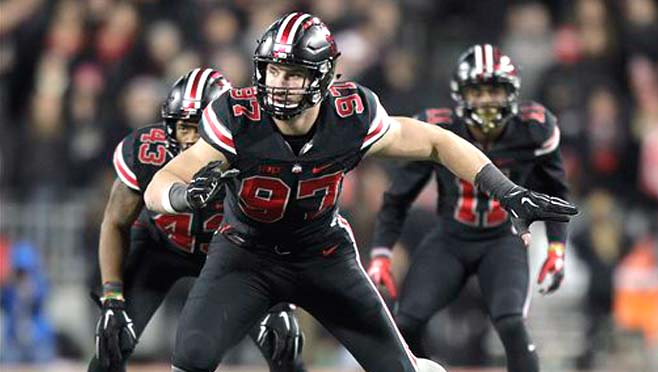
(474, 234)
(143, 254)
(292, 138)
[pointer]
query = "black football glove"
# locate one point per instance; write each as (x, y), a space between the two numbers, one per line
(207, 182)
(527, 206)
(279, 336)
(115, 336)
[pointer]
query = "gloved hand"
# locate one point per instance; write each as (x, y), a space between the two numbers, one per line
(279, 336)
(380, 273)
(527, 206)
(115, 336)
(553, 268)
(207, 182)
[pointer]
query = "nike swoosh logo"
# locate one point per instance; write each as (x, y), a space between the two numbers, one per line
(329, 251)
(108, 315)
(526, 200)
(321, 168)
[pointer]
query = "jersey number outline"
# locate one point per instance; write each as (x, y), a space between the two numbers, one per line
(152, 150)
(265, 199)
(249, 94)
(178, 228)
(467, 211)
(346, 105)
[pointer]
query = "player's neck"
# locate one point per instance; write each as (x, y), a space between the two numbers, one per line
(486, 140)
(300, 124)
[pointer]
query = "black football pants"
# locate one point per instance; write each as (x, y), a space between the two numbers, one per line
(237, 284)
(439, 269)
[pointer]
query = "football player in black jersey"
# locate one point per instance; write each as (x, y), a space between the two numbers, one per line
(292, 137)
(474, 236)
(139, 267)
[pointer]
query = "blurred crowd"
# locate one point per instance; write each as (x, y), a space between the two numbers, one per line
(77, 75)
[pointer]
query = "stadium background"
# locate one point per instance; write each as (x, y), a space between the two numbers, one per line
(77, 75)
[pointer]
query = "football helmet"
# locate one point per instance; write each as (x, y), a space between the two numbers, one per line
(296, 39)
(479, 65)
(189, 95)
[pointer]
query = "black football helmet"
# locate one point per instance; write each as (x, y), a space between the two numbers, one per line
(479, 65)
(189, 95)
(297, 39)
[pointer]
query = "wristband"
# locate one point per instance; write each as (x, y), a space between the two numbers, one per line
(173, 198)
(112, 290)
(381, 252)
(556, 247)
(491, 180)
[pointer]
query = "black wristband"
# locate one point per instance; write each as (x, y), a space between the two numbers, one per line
(178, 197)
(491, 180)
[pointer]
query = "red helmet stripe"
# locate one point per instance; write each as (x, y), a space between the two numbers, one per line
(286, 26)
(188, 98)
(197, 89)
(296, 26)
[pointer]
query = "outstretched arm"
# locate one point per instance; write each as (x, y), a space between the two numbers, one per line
(413, 139)
(416, 140)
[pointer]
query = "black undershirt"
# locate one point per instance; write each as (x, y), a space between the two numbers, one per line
(297, 142)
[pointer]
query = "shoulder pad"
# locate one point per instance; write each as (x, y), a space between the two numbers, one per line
(123, 162)
(542, 126)
(353, 100)
(437, 116)
(219, 121)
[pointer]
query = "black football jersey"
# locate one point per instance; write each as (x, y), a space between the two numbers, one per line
(136, 159)
(280, 196)
(527, 152)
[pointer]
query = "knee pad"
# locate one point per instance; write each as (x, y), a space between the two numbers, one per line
(412, 331)
(195, 352)
(426, 365)
(513, 333)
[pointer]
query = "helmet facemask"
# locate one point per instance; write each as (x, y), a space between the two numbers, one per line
(488, 116)
(189, 116)
(276, 101)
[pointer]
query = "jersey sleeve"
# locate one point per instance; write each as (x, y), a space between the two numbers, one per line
(543, 128)
(376, 121)
(436, 116)
(548, 175)
(407, 182)
(216, 127)
(124, 162)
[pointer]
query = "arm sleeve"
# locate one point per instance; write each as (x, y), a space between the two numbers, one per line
(408, 181)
